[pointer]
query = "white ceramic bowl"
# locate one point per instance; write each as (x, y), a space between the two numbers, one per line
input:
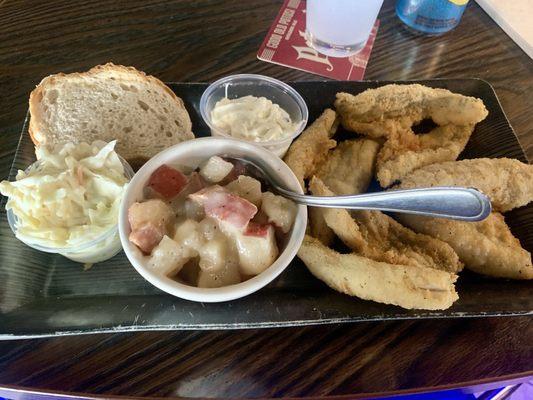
(190, 154)
(235, 86)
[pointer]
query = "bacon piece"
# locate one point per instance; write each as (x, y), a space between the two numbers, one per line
(146, 237)
(225, 206)
(167, 181)
(257, 230)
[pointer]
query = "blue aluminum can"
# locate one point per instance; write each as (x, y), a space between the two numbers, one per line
(432, 17)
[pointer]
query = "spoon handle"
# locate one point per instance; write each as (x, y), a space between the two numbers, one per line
(463, 204)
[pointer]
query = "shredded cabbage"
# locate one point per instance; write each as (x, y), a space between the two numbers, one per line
(69, 197)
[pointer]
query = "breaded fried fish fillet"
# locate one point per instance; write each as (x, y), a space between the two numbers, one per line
(390, 111)
(377, 236)
(337, 220)
(349, 167)
(404, 152)
(508, 182)
(406, 286)
(487, 247)
(318, 227)
(391, 108)
(312, 146)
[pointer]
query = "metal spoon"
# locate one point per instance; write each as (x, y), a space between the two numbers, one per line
(464, 204)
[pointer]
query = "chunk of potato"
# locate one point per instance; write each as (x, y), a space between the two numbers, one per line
(279, 210)
(256, 251)
(154, 211)
(208, 227)
(215, 169)
(193, 210)
(229, 275)
(213, 255)
(149, 221)
(168, 257)
(246, 187)
(188, 235)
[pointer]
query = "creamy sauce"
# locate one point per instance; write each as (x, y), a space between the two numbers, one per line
(256, 119)
(69, 198)
(217, 229)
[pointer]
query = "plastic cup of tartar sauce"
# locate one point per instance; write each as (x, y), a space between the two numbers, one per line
(279, 93)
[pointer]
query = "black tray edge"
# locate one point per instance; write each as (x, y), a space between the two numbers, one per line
(257, 325)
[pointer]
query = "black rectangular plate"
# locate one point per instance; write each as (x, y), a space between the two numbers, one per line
(45, 295)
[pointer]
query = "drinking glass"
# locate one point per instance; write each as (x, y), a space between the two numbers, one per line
(340, 28)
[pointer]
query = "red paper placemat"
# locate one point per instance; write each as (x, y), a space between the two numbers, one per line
(285, 45)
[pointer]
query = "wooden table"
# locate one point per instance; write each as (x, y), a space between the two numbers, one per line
(201, 41)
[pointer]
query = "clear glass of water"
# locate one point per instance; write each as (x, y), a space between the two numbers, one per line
(340, 28)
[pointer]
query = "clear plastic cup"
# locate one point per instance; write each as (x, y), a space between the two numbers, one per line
(280, 93)
(99, 249)
(340, 28)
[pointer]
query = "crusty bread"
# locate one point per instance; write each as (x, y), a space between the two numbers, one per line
(109, 102)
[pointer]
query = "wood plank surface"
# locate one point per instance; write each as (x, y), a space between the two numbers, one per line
(201, 41)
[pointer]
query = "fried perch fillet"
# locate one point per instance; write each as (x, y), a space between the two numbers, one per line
(487, 247)
(349, 167)
(312, 147)
(338, 219)
(392, 108)
(405, 286)
(318, 227)
(404, 152)
(508, 182)
(379, 237)
(390, 111)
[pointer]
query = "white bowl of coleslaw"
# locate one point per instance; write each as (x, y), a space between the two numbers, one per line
(191, 154)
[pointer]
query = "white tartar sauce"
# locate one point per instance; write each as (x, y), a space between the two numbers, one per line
(256, 119)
